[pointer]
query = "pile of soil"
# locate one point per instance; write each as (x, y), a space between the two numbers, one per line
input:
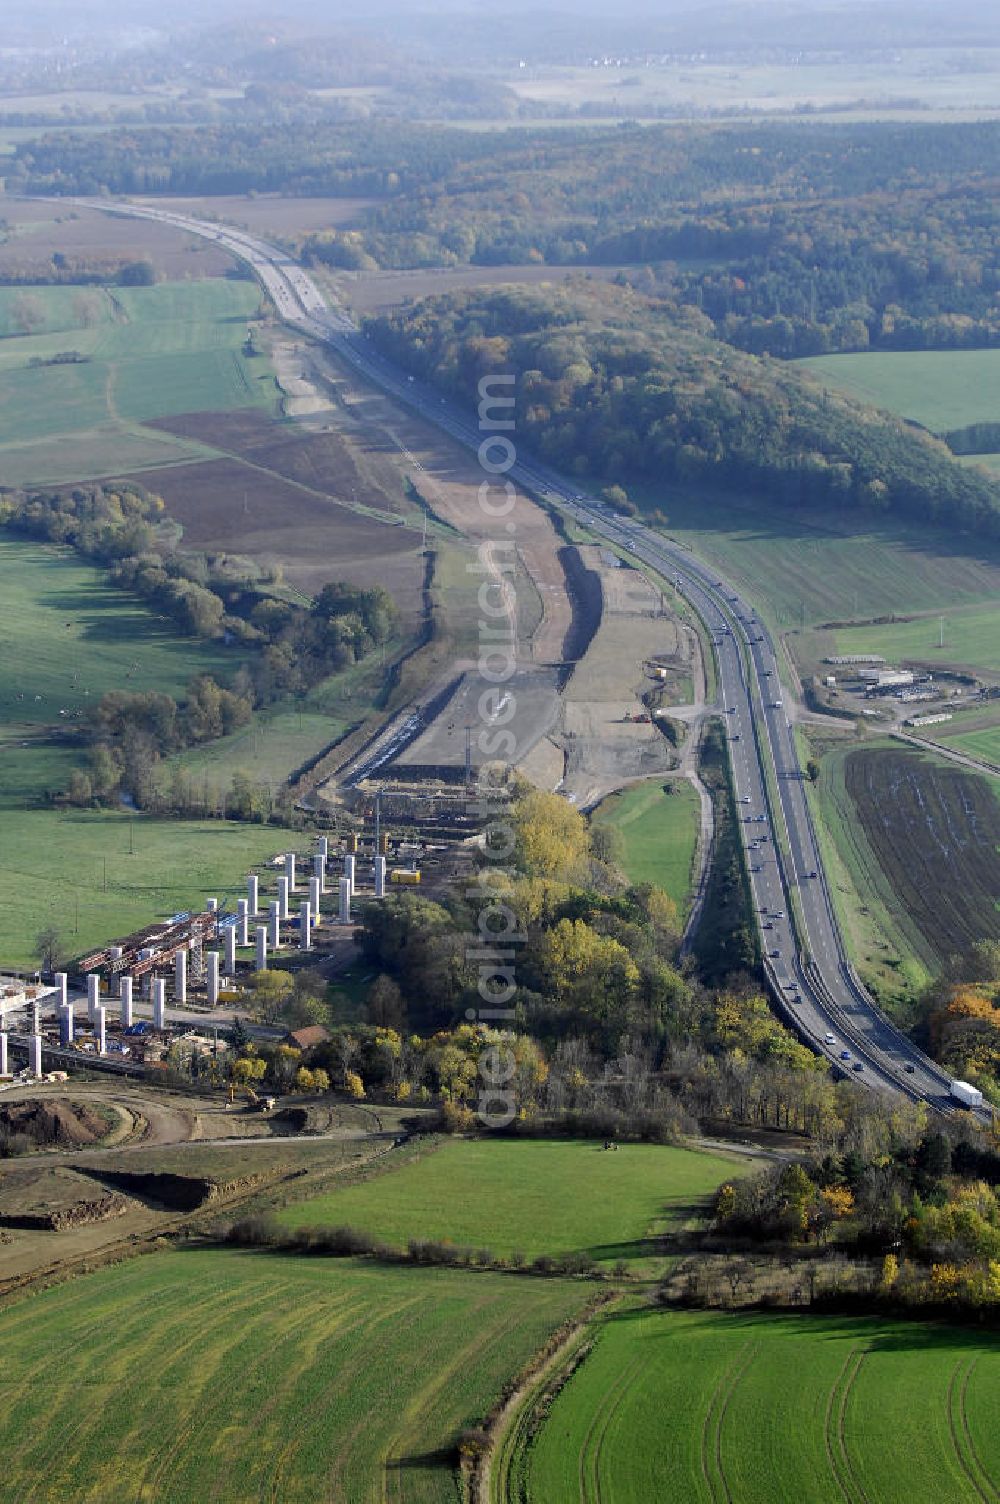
(69, 1216)
(68, 1125)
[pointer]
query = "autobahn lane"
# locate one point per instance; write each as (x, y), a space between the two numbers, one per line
(805, 958)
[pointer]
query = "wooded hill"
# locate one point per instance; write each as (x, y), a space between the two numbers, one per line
(614, 385)
(796, 239)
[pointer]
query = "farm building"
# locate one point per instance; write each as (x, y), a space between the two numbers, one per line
(307, 1038)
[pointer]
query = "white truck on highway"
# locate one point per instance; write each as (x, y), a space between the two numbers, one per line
(969, 1096)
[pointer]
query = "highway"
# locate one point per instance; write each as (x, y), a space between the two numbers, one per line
(807, 966)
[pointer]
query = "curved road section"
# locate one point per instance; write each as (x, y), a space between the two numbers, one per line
(807, 966)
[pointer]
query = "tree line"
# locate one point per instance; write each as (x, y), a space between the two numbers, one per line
(279, 646)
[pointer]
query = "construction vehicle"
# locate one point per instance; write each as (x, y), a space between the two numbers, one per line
(405, 876)
(255, 1101)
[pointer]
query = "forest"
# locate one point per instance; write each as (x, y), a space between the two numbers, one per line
(615, 385)
(794, 239)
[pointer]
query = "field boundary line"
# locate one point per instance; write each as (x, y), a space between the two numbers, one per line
(953, 754)
(491, 1476)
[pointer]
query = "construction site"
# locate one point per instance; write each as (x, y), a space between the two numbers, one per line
(122, 1007)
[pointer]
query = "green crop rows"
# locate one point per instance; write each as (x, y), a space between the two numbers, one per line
(771, 1410)
(213, 1375)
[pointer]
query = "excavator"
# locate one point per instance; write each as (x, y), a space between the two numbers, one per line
(255, 1102)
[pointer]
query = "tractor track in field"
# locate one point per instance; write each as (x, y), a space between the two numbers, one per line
(715, 1415)
(620, 1394)
(582, 1469)
(834, 1429)
(958, 1425)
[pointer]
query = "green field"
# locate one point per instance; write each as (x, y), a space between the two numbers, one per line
(968, 638)
(184, 1377)
(67, 637)
(942, 389)
(801, 573)
(151, 353)
(990, 462)
(982, 743)
(54, 865)
(660, 831)
(285, 735)
(703, 1408)
(536, 1196)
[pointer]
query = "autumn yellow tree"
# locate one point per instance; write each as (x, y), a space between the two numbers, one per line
(551, 837)
(584, 969)
(353, 1085)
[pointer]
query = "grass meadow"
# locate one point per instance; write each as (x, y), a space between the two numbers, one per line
(660, 832)
(151, 352)
(183, 1377)
(67, 637)
(942, 389)
(56, 863)
(283, 736)
(966, 638)
(535, 1196)
(978, 735)
(801, 572)
(697, 1408)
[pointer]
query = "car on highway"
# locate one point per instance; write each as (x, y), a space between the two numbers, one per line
(829, 1038)
(774, 954)
(745, 799)
(858, 1065)
(845, 1054)
(775, 704)
(757, 868)
(767, 926)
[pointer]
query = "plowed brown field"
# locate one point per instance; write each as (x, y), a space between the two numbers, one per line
(935, 832)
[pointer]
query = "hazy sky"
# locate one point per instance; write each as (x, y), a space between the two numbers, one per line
(929, 21)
